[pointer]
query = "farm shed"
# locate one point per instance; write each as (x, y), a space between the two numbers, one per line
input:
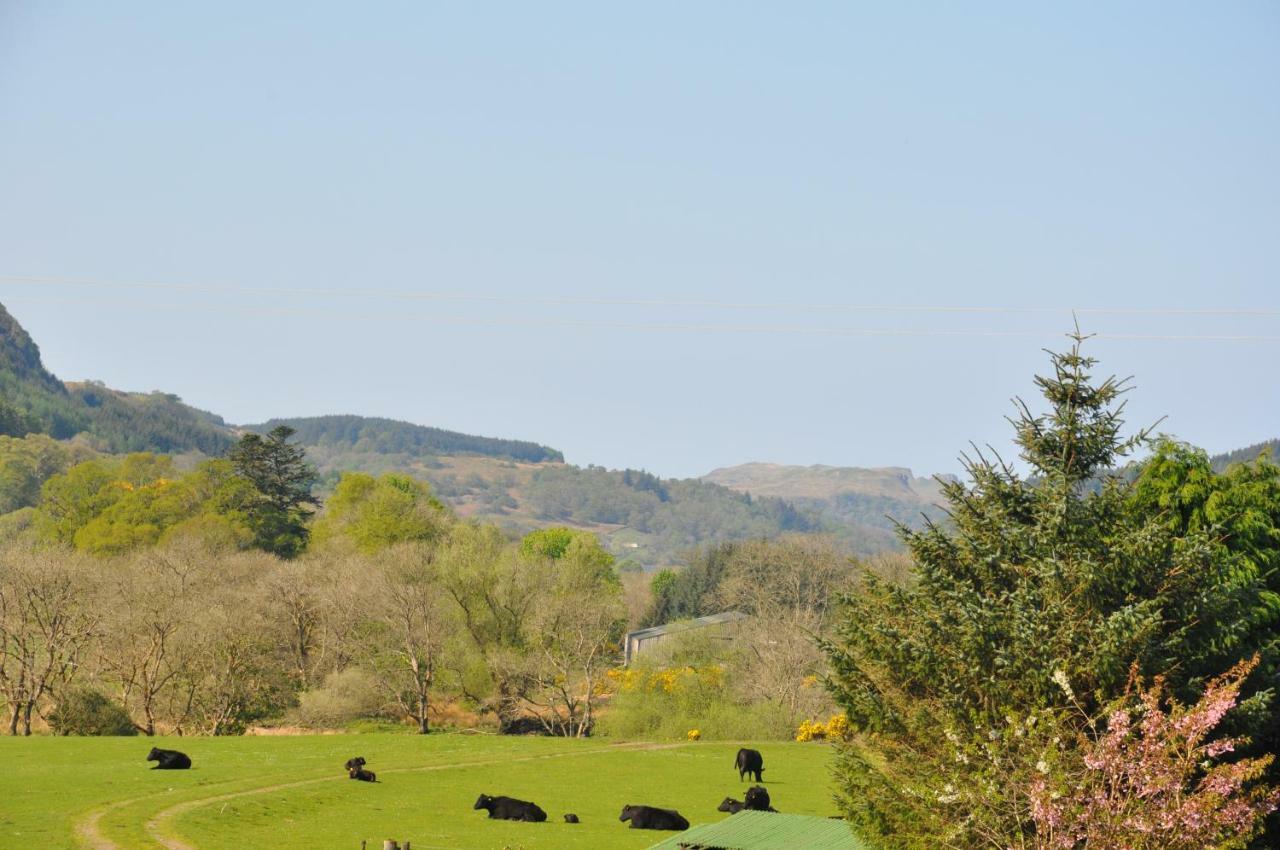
(767, 831)
(638, 642)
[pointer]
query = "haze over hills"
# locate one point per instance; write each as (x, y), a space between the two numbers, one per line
(516, 483)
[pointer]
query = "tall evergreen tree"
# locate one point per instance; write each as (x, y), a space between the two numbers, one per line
(1038, 591)
(282, 478)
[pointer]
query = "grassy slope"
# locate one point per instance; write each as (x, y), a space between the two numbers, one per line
(428, 785)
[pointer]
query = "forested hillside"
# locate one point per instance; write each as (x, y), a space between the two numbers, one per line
(1248, 453)
(357, 435)
(34, 401)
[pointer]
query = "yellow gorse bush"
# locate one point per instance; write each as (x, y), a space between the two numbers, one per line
(836, 729)
(668, 680)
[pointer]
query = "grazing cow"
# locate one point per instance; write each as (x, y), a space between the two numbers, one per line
(361, 774)
(757, 800)
(168, 759)
(749, 761)
(358, 761)
(647, 817)
(731, 806)
(571, 818)
(509, 808)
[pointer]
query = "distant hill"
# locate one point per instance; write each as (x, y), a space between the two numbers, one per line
(1248, 453)
(826, 482)
(844, 496)
(373, 435)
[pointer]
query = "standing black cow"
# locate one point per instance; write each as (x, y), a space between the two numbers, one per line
(731, 806)
(757, 800)
(647, 817)
(509, 808)
(749, 761)
(168, 759)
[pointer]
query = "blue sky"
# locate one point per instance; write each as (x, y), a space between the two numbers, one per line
(642, 234)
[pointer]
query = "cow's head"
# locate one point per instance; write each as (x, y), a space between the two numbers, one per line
(154, 755)
(626, 812)
(484, 802)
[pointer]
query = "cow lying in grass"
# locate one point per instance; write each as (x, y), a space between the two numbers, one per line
(509, 808)
(647, 817)
(168, 759)
(731, 806)
(361, 774)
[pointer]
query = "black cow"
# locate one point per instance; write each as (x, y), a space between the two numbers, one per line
(647, 817)
(168, 759)
(571, 818)
(509, 808)
(757, 800)
(361, 774)
(731, 806)
(358, 761)
(749, 761)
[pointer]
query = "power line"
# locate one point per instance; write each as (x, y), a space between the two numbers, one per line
(411, 295)
(676, 327)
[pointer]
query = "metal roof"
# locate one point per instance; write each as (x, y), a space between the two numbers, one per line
(681, 625)
(767, 831)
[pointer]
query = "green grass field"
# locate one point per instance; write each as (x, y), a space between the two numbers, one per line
(281, 793)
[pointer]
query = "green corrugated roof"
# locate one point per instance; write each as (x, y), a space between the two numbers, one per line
(766, 831)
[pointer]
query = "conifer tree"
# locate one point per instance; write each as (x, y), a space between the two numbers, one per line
(282, 478)
(1035, 586)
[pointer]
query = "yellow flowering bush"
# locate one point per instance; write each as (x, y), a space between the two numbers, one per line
(810, 731)
(694, 735)
(836, 728)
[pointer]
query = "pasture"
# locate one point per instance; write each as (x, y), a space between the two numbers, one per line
(290, 793)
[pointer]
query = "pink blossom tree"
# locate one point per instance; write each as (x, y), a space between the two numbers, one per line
(1154, 777)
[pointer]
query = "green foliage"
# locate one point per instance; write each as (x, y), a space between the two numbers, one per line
(282, 479)
(27, 462)
(388, 436)
(1033, 580)
(690, 592)
(83, 711)
(376, 513)
(573, 551)
(109, 506)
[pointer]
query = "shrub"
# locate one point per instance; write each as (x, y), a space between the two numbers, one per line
(84, 711)
(668, 702)
(345, 696)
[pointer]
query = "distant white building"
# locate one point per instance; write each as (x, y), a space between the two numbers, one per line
(638, 642)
